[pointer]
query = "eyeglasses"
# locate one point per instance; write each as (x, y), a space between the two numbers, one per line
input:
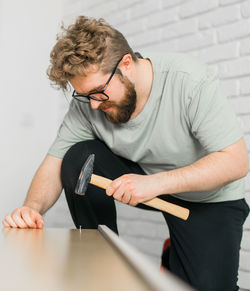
(99, 95)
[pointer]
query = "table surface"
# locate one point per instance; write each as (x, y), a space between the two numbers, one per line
(64, 259)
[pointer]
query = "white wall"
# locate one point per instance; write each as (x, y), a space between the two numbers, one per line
(29, 107)
(218, 32)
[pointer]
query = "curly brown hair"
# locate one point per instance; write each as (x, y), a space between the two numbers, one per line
(88, 41)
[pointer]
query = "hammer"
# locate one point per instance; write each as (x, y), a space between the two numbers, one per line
(87, 177)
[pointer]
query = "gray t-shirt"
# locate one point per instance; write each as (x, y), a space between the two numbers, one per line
(185, 118)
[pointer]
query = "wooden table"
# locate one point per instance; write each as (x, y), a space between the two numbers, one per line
(69, 260)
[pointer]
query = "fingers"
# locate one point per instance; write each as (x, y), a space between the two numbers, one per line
(126, 198)
(5, 224)
(119, 190)
(116, 189)
(19, 221)
(24, 217)
(28, 218)
(39, 221)
(113, 186)
(133, 202)
(122, 191)
(32, 218)
(9, 222)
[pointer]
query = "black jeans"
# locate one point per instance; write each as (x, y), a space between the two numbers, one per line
(204, 249)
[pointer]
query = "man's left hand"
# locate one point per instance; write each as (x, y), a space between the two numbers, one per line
(132, 188)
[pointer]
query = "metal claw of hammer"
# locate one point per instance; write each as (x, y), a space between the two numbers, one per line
(86, 176)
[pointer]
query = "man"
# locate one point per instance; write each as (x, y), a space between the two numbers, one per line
(159, 126)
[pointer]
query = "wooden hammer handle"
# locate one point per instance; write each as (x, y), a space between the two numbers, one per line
(157, 203)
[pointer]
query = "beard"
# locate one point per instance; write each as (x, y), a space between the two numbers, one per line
(125, 108)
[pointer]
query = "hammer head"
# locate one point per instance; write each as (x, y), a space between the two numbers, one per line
(85, 175)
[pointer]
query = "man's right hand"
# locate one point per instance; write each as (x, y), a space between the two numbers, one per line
(44, 191)
(24, 217)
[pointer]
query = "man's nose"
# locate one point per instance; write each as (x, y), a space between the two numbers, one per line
(94, 104)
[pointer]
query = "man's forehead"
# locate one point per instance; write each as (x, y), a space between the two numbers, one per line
(89, 83)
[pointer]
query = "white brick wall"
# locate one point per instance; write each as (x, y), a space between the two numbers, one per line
(216, 31)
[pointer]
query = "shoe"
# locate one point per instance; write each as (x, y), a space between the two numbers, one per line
(165, 255)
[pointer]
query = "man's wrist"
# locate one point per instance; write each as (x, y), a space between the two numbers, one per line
(33, 205)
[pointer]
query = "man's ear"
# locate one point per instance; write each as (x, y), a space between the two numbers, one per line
(126, 65)
(126, 62)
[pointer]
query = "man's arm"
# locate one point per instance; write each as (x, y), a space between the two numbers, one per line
(210, 172)
(45, 189)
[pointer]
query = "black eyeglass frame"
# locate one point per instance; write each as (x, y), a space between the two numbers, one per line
(82, 98)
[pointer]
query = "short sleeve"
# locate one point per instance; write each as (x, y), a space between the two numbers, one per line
(212, 120)
(74, 128)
